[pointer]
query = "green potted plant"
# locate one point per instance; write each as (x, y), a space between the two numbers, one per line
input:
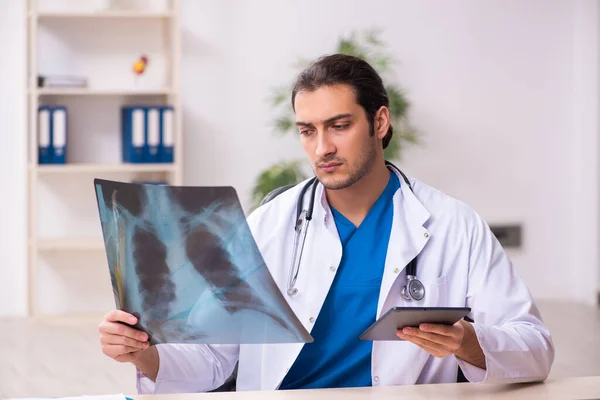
(370, 48)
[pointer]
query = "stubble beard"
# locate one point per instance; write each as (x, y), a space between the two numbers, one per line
(363, 165)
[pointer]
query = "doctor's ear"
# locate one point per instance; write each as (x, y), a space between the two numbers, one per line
(381, 122)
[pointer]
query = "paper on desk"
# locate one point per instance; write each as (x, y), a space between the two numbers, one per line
(183, 259)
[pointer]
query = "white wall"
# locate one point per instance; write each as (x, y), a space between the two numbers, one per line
(583, 265)
(496, 87)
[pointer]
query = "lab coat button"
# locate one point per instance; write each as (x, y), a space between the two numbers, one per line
(332, 268)
(426, 235)
(311, 320)
(376, 379)
(396, 270)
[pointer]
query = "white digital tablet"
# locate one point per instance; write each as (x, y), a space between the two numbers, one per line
(396, 318)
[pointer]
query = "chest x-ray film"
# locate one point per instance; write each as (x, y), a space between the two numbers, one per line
(183, 260)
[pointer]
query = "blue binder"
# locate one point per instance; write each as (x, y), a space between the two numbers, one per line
(153, 134)
(167, 134)
(44, 135)
(134, 133)
(59, 134)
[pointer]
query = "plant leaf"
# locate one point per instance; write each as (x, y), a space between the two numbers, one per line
(404, 135)
(280, 96)
(398, 103)
(381, 63)
(372, 37)
(392, 152)
(351, 47)
(283, 125)
(280, 174)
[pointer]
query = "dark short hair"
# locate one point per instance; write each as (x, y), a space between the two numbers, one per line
(352, 71)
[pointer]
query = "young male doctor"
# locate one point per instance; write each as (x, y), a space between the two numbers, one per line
(367, 226)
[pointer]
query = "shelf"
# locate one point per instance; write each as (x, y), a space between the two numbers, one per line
(100, 168)
(60, 227)
(61, 244)
(99, 92)
(102, 15)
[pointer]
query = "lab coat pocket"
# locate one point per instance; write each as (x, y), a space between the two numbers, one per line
(436, 293)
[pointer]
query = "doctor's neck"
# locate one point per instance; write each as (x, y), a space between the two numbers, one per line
(355, 201)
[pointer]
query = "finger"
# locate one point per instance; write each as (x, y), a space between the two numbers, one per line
(445, 330)
(419, 340)
(114, 339)
(120, 316)
(129, 357)
(435, 352)
(431, 347)
(446, 341)
(119, 329)
(116, 350)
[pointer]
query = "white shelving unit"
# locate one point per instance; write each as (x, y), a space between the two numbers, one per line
(100, 92)
(101, 168)
(63, 223)
(105, 14)
(53, 245)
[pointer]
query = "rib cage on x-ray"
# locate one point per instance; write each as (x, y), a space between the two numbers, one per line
(183, 259)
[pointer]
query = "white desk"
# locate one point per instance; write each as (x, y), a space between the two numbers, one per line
(569, 388)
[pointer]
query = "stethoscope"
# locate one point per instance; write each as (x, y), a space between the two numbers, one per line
(412, 290)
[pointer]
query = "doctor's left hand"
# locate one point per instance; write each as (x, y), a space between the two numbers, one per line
(444, 340)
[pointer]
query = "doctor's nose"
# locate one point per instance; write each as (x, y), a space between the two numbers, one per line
(324, 145)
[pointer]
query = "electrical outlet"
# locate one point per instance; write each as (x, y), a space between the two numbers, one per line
(509, 236)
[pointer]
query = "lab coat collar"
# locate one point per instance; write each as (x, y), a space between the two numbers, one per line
(408, 236)
(415, 211)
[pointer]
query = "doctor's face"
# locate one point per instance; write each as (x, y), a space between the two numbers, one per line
(335, 134)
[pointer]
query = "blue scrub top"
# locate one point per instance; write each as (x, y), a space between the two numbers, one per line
(337, 357)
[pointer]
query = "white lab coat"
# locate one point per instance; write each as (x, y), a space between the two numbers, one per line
(460, 264)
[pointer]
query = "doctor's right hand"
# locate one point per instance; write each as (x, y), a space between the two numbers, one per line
(120, 341)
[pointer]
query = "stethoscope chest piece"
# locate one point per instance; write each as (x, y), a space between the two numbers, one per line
(413, 290)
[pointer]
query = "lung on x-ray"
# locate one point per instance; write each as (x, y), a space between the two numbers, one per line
(184, 261)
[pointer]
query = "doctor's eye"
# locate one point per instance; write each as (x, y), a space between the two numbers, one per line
(306, 132)
(340, 127)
